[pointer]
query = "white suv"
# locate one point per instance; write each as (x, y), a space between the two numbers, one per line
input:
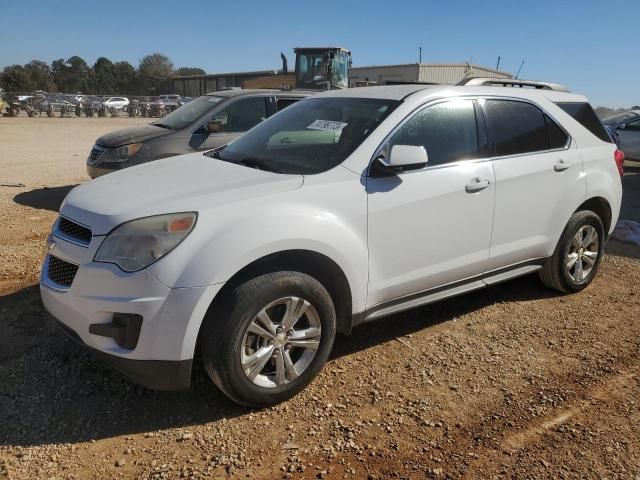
(346, 207)
(116, 102)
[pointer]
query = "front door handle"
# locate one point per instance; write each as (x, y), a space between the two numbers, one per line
(476, 184)
(561, 165)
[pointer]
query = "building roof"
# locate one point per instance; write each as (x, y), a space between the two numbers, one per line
(261, 73)
(435, 65)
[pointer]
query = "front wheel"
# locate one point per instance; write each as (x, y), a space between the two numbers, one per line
(577, 256)
(269, 337)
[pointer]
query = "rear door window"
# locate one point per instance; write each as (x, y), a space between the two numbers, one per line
(557, 137)
(516, 128)
(282, 103)
(635, 126)
(584, 114)
(241, 115)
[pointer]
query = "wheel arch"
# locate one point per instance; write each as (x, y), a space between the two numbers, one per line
(314, 264)
(601, 207)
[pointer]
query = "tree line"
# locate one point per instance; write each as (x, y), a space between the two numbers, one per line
(104, 77)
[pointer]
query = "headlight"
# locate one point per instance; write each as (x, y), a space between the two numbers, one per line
(125, 152)
(139, 243)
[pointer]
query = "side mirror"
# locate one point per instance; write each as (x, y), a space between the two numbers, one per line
(622, 126)
(214, 127)
(402, 158)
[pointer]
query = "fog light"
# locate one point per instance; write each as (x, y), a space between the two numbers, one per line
(124, 329)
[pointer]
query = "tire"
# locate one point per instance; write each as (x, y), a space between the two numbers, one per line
(556, 273)
(226, 340)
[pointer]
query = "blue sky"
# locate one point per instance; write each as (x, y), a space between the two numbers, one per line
(590, 45)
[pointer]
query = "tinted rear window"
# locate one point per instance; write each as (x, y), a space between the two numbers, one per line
(557, 137)
(584, 114)
(516, 127)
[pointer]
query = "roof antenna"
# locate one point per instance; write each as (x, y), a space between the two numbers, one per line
(498, 65)
(419, 54)
(518, 74)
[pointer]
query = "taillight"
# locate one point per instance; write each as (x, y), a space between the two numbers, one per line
(619, 158)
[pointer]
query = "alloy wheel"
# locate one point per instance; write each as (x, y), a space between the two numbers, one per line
(280, 342)
(583, 253)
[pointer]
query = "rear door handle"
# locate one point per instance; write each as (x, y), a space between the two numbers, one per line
(476, 184)
(561, 165)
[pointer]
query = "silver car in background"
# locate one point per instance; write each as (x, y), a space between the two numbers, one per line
(626, 127)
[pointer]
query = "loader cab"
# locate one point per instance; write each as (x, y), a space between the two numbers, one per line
(322, 68)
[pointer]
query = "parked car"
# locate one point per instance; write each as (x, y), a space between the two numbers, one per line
(202, 124)
(627, 129)
(116, 102)
(344, 208)
(53, 104)
(171, 102)
(613, 133)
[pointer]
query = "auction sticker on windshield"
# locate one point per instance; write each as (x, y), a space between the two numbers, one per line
(327, 125)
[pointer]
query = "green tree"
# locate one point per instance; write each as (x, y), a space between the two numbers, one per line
(154, 73)
(15, 78)
(126, 81)
(58, 74)
(78, 75)
(104, 80)
(40, 74)
(189, 71)
(71, 76)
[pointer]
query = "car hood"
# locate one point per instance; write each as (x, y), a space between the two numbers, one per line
(125, 136)
(192, 182)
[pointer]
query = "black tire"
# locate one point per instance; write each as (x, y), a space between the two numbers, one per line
(554, 274)
(225, 327)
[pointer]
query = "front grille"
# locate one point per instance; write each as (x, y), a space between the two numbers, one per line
(61, 272)
(96, 153)
(74, 230)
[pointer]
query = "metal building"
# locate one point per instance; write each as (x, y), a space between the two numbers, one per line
(196, 85)
(438, 73)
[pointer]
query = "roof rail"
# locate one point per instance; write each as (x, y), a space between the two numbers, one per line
(512, 82)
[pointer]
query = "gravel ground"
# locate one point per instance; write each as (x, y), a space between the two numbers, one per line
(514, 381)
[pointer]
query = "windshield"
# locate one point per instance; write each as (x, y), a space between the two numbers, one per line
(620, 118)
(312, 70)
(189, 112)
(311, 136)
(340, 71)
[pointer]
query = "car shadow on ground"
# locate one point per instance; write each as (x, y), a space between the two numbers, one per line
(54, 392)
(46, 198)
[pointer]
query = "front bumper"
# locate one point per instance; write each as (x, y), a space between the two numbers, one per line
(95, 172)
(171, 317)
(100, 161)
(155, 374)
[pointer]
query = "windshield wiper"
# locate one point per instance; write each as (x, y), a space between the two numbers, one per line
(162, 125)
(257, 164)
(247, 162)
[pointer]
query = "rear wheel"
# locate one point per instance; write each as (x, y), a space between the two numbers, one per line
(578, 254)
(269, 338)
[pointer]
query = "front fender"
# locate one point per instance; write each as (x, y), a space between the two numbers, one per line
(226, 240)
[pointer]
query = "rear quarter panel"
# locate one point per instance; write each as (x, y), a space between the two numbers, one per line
(599, 168)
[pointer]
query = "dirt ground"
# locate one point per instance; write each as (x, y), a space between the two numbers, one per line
(514, 381)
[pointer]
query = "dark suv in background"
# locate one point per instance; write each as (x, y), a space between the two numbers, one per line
(204, 123)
